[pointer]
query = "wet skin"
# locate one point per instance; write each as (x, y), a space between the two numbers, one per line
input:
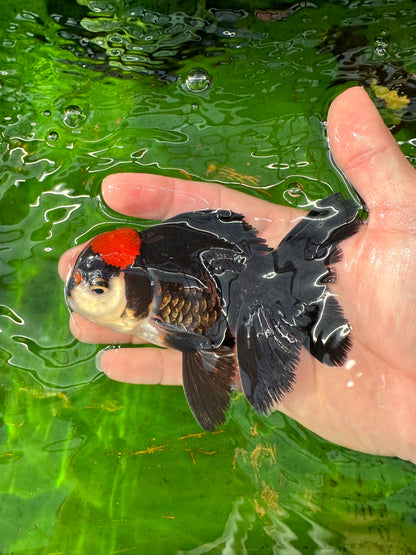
(369, 404)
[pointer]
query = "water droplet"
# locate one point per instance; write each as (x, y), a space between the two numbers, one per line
(295, 190)
(381, 43)
(47, 113)
(73, 116)
(350, 364)
(53, 136)
(197, 80)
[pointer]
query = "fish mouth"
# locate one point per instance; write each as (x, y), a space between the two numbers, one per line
(73, 280)
(106, 309)
(70, 284)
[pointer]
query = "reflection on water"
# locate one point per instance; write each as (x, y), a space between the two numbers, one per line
(121, 41)
(207, 92)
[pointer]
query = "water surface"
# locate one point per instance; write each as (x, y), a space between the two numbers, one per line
(207, 92)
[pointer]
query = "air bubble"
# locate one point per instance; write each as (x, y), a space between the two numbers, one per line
(53, 136)
(47, 113)
(295, 190)
(73, 116)
(197, 80)
(381, 43)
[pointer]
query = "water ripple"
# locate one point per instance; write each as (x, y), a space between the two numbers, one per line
(93, 86)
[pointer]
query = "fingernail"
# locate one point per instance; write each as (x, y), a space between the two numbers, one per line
(98, 358)
(108, 181)
(98, 361)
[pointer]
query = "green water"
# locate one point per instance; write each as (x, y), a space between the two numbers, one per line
(89, 466)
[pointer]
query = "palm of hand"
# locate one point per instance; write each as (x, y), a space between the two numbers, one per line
(369, 404)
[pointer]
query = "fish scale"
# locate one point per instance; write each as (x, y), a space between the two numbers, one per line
(195, 310)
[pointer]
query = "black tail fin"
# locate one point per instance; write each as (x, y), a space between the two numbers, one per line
(309, 249)
(328, 336)
(291, 305)
(318, 234)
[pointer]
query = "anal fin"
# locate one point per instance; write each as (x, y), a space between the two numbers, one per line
(208, 379)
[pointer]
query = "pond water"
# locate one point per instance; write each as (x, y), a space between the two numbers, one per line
(201, 90)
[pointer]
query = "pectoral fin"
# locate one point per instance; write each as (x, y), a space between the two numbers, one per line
(208, 378)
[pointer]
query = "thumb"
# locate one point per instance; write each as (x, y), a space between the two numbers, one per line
(372, 161)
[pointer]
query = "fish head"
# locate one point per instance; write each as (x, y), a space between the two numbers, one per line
(98, 286)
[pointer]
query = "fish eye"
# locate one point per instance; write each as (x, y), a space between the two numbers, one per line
(99, 286)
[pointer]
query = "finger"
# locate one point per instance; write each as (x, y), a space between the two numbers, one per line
(372, 161)
(142, 366)
(155, 197)
(88, 332)
(146, 196)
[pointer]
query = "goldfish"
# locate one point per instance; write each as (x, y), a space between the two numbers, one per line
(240, 312)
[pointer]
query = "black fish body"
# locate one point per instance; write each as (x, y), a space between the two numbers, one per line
(204, 283)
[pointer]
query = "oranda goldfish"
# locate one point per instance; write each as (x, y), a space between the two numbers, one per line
(204, 283)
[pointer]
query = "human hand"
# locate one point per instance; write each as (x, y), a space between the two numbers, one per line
(369, 404)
